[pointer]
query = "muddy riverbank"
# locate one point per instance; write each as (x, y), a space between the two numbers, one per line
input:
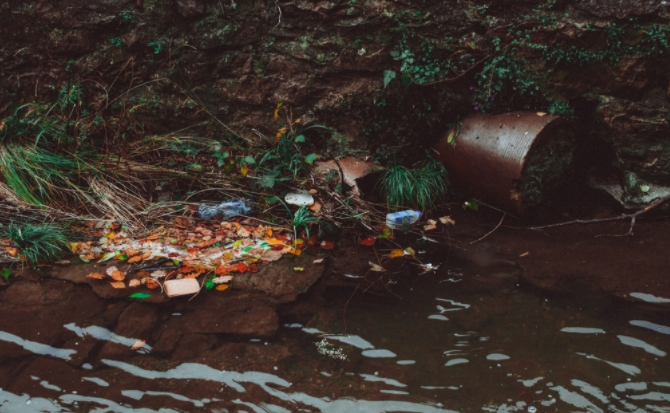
(68, 345)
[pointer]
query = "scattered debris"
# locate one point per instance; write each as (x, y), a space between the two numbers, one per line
(375, 267)
(524, 254)
(318, 261)
(185, 286)
(397, 219)
(447, 220)
(299, 198)
(224, 210)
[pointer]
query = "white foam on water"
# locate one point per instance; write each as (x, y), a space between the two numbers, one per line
(86, 366)
(662, 383)
(627, 368)
(452, 302)
(641, 386)
(651, 326)
(37, 348)
(101, 333)
(576, 399)
(433, 387)
(110, 406)
(454, 362)
(194, 371)
(531, 382)
(405, 362)
(634, 342)
(650, 298)
(590, 390)
(99, 382)
(138, 394)
(653, 396)
(497, 357)
(378, 353)
(390, 382)
(437, 317)
(50, 386)
(583, 330)
(393, 392)
(325, 373)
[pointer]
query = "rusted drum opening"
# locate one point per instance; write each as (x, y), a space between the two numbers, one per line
(513, 160)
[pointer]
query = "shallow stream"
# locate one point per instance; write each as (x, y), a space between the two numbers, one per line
(436, 346)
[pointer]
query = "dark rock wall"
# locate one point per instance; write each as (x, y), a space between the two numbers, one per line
(388, 75)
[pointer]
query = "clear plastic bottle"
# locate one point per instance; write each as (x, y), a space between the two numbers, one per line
(397, 219)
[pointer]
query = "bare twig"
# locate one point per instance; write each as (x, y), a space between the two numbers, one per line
(279, 22)
(492, 231)
(633, 217)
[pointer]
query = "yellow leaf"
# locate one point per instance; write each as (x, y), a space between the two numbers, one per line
(222, 287)
(298, 269)
(111, 235)
(146, 255)
(295, 252)
(396, 253)
(450, 138)
(228, 255)
(268, 232)
(282, 130)
(410, 251)
(278, 135)
(298, 120)
(276, 115)
(73, 246)
(244, 171)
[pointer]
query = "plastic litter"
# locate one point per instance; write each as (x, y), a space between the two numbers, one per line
(224, 210)
(397, 219)
(299, 198)
(185, 286)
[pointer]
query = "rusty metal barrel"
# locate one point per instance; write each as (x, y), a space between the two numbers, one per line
(512, 161)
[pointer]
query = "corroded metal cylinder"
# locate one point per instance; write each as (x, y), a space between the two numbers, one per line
(511, 160)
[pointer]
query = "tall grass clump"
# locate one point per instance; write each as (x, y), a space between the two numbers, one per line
(423, 186)
(37, 242)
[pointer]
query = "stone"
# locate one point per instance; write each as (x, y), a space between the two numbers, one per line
(278, 280)
(228, 313)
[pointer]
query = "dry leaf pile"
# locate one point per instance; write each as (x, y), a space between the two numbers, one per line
(217, 250)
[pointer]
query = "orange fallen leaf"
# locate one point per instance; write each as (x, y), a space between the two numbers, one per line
(11, 251)
(142, 274)
(136, 258)
(327, 245)
(131, 252)
(118, 284)
(242, 267)
(96, 275)
(146, 255)
(139, 344)
(369, 241)
(151, 283)
(153, 237)
(118, 276)
(396, 253)
(316, 207)
(222, 287)
(268, 232)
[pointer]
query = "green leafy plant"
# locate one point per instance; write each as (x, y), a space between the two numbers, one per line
(156, 45)
(302, 218)
(126, 16)
(43, 242)
(286, 157)
(421, 186)
(115, 41)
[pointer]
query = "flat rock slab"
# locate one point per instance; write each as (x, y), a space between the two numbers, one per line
(280, 280)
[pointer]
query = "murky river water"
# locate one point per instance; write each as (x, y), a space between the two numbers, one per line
(440, 348)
